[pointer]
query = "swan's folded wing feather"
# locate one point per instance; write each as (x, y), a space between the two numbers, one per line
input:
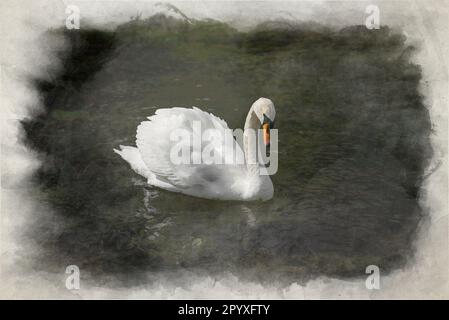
(150, 141)
(153, 141)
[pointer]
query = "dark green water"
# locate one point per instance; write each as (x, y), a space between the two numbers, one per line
(354, 140)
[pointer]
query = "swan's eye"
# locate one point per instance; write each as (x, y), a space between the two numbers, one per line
(268, 121)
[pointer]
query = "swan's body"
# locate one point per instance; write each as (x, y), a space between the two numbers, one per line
(230, 181)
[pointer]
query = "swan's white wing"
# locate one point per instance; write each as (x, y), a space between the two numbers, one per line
(153, 142)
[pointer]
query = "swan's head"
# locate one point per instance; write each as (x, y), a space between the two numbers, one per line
(264, 110)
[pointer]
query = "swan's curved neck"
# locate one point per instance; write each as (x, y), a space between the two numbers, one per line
(252, 121)
(252, 124)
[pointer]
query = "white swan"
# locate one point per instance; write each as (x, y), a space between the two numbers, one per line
(229, 181)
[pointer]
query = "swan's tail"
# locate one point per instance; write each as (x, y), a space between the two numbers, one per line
(134, 158)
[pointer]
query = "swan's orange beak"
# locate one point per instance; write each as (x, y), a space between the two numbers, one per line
(266, 133)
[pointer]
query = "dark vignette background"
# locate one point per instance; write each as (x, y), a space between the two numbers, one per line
(354, 140)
